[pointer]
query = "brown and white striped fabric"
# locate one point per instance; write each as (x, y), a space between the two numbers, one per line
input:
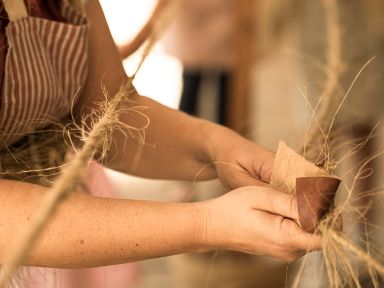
(45, 67)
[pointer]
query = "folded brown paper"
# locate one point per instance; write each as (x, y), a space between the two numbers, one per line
(288, 166)
(313, 187)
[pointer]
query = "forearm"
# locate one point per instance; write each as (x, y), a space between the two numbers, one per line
(88, 231)
(177, 146)
(161, 156)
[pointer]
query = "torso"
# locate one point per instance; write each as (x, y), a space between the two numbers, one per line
(42, 66)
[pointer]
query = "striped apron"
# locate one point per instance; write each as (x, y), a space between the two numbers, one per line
(45, 67)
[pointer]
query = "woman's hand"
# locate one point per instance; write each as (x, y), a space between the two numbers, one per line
(257, 220)
(239, 162)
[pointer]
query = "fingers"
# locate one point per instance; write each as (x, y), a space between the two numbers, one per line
(295, 242)
(234, 176)
(273, 201)
(279, 203)
(299, 239)
(264, 167)
(245, 179)
(266, 215)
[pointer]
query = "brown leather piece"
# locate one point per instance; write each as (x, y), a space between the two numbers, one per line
(315, 196)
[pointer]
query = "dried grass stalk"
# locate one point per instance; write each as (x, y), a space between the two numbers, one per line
(341, 255)
(96, 141)
(318, 135)
(288, 167)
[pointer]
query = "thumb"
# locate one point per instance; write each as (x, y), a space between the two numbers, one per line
(273, 201)
(236, 178)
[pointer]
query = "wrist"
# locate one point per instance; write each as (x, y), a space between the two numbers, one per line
(215, 136)
(204, 238)
(207, 140)
(224, 145)
(211, 233)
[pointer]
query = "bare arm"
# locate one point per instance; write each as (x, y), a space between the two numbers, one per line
(178, 145)
(88, 231)
(171, 136)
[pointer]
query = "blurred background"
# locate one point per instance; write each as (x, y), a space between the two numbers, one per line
(258, 67)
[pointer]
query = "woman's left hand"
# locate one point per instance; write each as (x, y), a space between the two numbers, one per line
(239, 162)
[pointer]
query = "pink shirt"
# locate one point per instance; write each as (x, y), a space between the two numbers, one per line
(202, 34)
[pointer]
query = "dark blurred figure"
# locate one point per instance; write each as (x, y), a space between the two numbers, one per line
(202, 37)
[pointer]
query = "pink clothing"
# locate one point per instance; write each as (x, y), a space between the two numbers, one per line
(202, 34)
(114, 276)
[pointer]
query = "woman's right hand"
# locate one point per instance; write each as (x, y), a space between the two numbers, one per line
(257, 220)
